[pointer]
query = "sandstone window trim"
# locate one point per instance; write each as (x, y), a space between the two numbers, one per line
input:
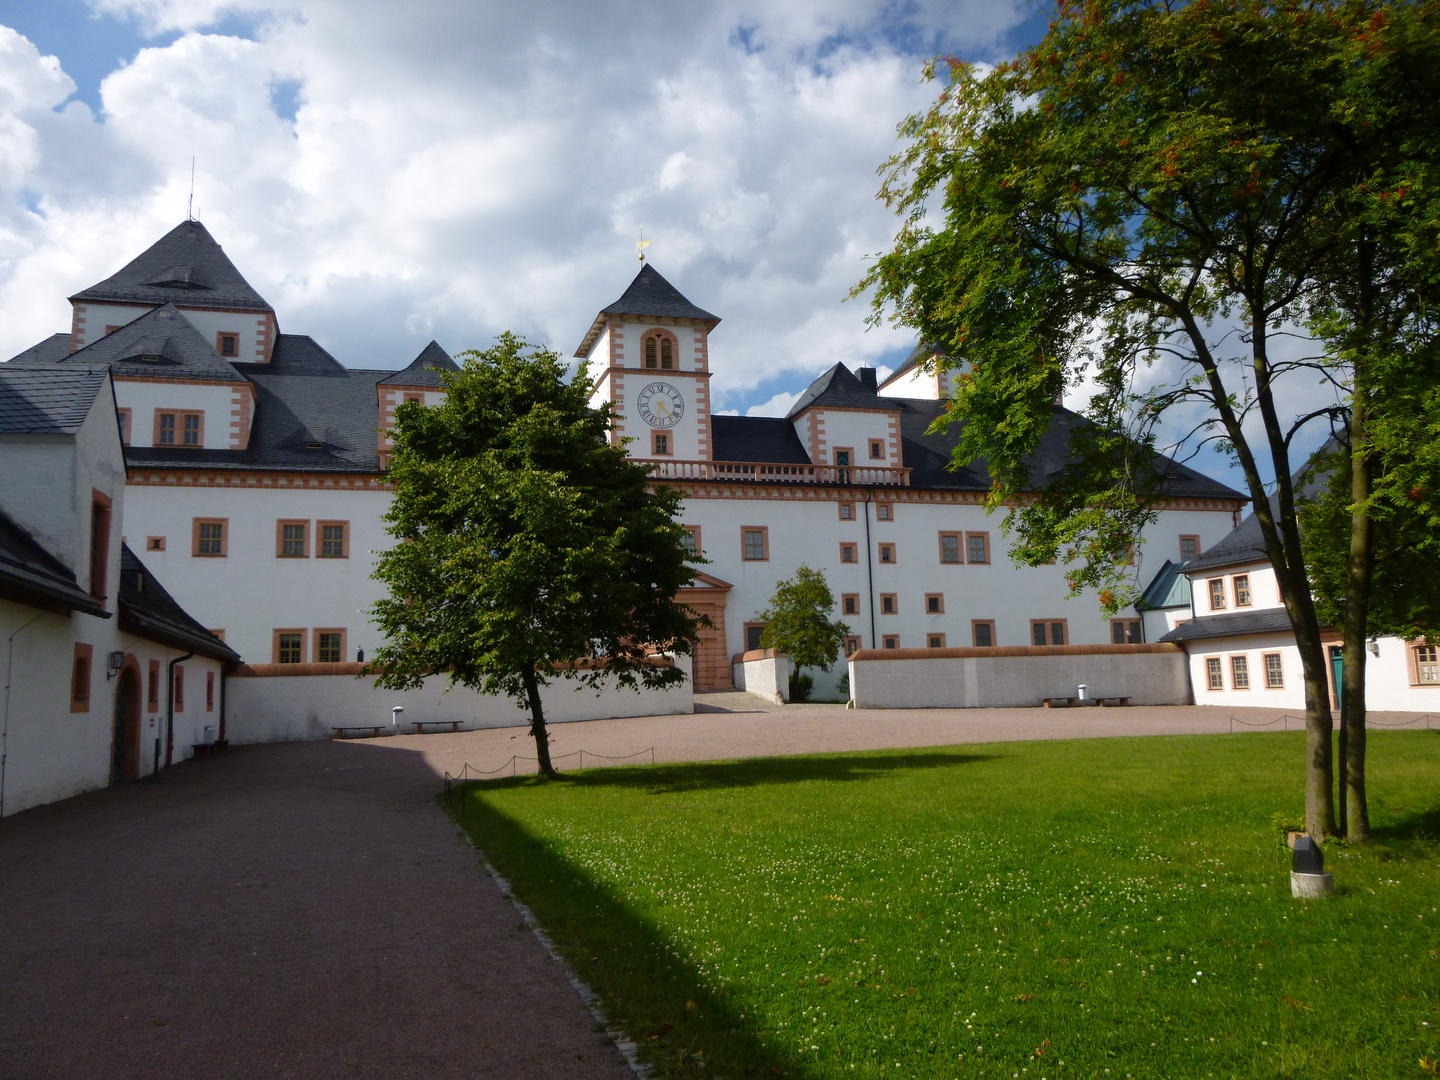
(287, 544)
(330, 544)
(205, 541)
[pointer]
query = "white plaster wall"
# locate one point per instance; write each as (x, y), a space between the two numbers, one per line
(1387, 681)
(293, 708)
(809, 531)
(768, 677)
(915, 383)
(1264, 590)
(1147, 678)
(144, 399)
(98, 316)
(250, 593)
(684, 436)
(634, 329)
(248, 325)
(38, 489)
(855, 429)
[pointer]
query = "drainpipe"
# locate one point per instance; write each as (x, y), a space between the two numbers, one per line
(870, 569)
(224, 668)
(170, 707)
(5, 730)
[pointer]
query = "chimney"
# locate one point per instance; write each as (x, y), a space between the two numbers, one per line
(867, 378)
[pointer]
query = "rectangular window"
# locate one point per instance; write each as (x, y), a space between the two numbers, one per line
(177, 427)
(122, 418)
(208, 539)
(165, 429)
(292, 539)
(660, 443)
(289, 646)
(1427, 665)
(844, 455)
(334, 539)
(1217, 594)
(888, 603)
(887, 553)
(753, 633)
(152, 687)
(329, 646)
(1047, 631)
(850, 603)
(847, 511)
(80, 678)
(227, 344)
(1125, 631)
(690, 540)
(1240, 673)
(99, 542)
(949, 547)
(1274, 673)
(1242, 590)
(1214, 676)
(155, 543)
(935, 641)
(1189, 548)
(847, 553)
(179, 687)
(892, 641)
(755, 543)
(977, 547)
(877, 449)
(935, 603)
(852, 644)
(209, 691)
(192, 429)
(982, 632)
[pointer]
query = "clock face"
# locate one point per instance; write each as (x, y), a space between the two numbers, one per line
(660, 405)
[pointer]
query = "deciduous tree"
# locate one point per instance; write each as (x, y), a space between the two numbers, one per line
(529, 546)
(797, 622)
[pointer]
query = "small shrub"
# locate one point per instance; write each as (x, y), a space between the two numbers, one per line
(800, 686)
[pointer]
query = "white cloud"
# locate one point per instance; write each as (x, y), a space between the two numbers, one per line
(778, 405)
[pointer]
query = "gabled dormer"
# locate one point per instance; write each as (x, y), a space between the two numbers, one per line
(649, 353)
(843, 423)
(421, 380)
(188, 269)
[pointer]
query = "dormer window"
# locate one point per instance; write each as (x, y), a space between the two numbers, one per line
(314, 446)
(228, 344)
(179, 428)
(149, 359)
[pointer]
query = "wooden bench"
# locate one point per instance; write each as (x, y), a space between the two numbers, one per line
(1075, 702)
(1115, 702)
(374, 729)
(436, 724)
(209, 750)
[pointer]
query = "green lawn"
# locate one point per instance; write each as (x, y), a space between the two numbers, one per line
(1115, 907)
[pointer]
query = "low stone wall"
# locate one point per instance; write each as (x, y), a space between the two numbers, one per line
(298, 702)
(1017, 676)
(766, 674)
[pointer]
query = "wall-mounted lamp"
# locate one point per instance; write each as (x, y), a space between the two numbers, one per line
(359, 655)
(1374, 646)
(115, 665)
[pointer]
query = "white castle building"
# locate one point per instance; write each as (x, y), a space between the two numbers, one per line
(256, 475)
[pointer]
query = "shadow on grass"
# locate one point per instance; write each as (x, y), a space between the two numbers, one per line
(754, 772)
(683, 1027)
(1417, 830)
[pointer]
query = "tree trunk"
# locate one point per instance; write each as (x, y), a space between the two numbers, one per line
(537, 721)
(1357, 614)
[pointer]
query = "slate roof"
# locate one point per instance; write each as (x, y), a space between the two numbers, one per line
(1244, 544)
(1234, 624)
(149, 609)
(841, 388)
(1169, 588)
(757, 438)
(178, 349)
(425, 369)
(29, 571)
(649, 294)
(186, 266)
(55, 347)
(38, 401)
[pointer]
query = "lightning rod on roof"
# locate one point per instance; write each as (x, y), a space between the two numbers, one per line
(642, 245)
(190, 203)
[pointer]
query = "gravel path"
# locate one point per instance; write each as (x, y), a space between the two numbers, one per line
(300, 911)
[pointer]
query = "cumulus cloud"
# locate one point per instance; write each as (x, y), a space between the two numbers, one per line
(387, 173)
(778, 405)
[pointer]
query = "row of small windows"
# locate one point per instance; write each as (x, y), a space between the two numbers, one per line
(1240, 586)
(81, 673)
(1274, 672)
(173, 427)
(955, 548)
(982, 631)
(209, 538)
(295, 645)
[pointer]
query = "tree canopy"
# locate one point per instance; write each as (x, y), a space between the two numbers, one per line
(1152, 184)
(797, 621)
(529, 546)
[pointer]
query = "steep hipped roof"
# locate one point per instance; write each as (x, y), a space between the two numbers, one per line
(1235, 624)
(55, 347)
(425, 369)
(839, 387)
(757, 438)
(186, 266)
(146, 607)
(40, 401)
(31, 573)
(649, 295)
(176, 350)
(1170, 588)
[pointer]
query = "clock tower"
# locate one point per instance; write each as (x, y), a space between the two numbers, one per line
(649, 356)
